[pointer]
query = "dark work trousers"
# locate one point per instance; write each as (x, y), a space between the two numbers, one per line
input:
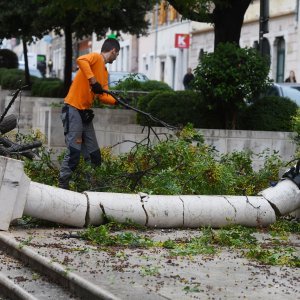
(80, 139)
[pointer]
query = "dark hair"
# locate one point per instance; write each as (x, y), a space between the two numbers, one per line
(110, 44)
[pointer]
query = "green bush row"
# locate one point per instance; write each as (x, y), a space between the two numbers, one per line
(176, 108)
(11, 78)
(46, 87)
(181, 165)
(179, 108)
(131, 84)
(270, 114)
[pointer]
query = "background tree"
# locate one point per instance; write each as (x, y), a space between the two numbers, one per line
(8, 59)
(229, 78)
(227, 16)
(81, 18)
(16, 20)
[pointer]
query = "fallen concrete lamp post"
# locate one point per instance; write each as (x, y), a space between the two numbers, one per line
(19, 196)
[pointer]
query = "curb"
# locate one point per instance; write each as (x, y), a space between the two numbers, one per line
(74, 283)
(9, 289)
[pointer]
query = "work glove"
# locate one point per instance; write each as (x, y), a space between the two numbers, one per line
(97, 88)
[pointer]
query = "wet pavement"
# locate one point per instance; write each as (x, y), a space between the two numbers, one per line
(151, 273)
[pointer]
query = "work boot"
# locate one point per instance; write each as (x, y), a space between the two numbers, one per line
(63, 184)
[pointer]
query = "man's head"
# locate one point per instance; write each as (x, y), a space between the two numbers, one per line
(110, 50)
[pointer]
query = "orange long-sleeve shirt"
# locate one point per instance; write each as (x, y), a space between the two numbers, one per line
(80, 94)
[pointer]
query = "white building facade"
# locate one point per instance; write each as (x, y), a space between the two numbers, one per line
(156, 55)
(283, 37)
(160, 60)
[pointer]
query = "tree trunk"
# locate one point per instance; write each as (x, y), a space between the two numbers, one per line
(68, 59)
(228, 21)
(27, 75)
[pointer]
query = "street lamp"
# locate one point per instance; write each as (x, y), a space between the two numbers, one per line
(263, 23)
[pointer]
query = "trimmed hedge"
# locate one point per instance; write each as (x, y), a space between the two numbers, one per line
(269, 114)
(177, 108)
(130, 84)
(155, 85)
(48, 87)
(11, 78)
(181, 107)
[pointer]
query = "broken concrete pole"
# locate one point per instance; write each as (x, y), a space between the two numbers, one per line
(13, 188)
(288, 203)
(57, 205)
(19, 196)
(219, 211)
(183, 211)
(121, 207)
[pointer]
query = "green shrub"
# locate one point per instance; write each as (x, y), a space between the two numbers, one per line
(296, 129)
(4, 71)
(177, 108)
(270, 114)
(142, 104)
(131, 84)
(8, 59)
(155, 85)
(133, 89)
(47, 87)
(230, 76)
(183, 164)
(13, 78)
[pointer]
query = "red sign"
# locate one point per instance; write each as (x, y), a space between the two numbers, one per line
(182, 40)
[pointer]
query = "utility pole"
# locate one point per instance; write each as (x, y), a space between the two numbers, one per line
(156, 39)
(263, 23)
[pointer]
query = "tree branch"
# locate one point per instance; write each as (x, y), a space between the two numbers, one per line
(198, 11)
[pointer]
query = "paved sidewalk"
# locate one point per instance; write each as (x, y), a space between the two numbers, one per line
(153, 274)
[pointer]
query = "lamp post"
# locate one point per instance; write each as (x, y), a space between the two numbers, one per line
(263, 23)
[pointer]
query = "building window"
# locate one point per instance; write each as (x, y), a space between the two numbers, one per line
(266, 49)
(255, 45)
(162, 71)
(280, 45)
(145, 65)
(201, 54)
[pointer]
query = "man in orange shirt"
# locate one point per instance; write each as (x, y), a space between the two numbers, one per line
(77, 116)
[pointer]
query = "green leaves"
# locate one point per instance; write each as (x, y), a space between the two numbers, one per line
(235, 237)
(103, 236)
(207, 242)
(280, 255)
(230, 77)
(179, 165)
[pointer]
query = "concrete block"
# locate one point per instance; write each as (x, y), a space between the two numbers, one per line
(21, 197)
(11, 176)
